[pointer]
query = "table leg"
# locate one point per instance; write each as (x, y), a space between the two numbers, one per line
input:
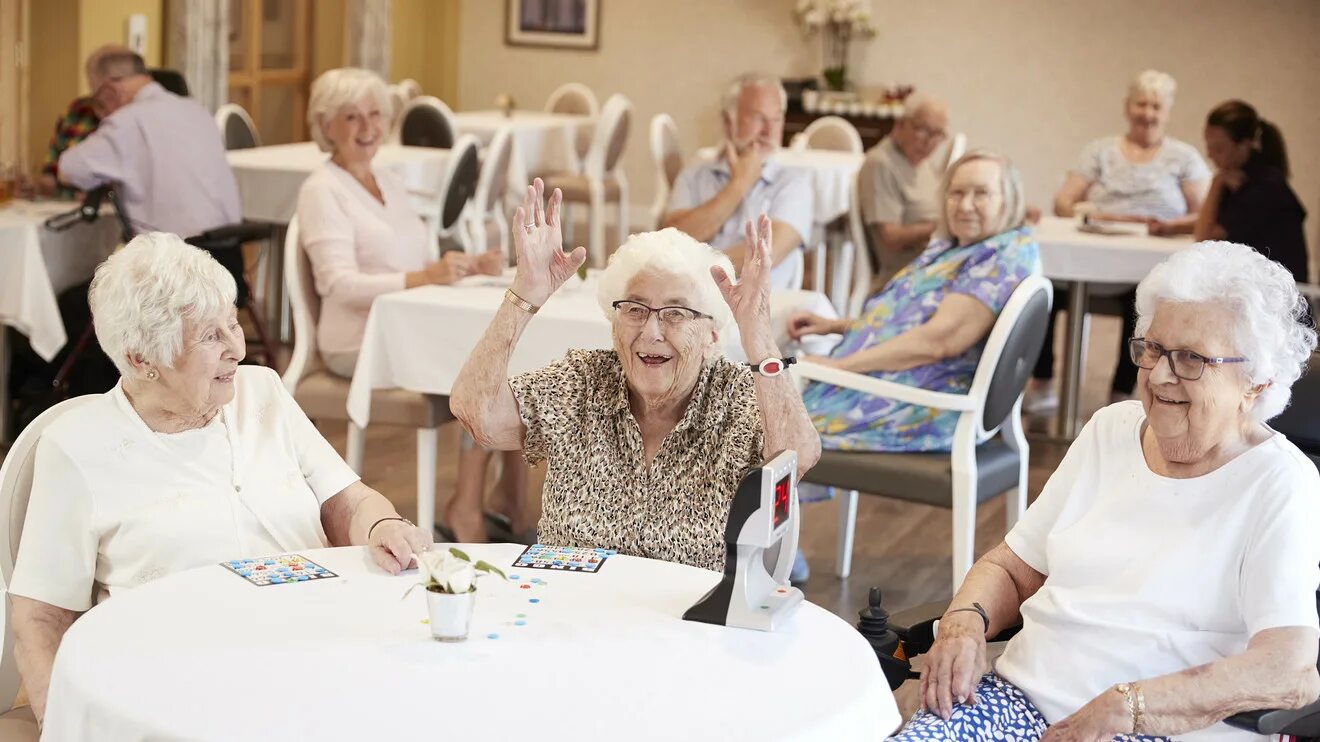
(1073, 359)
(4, 386)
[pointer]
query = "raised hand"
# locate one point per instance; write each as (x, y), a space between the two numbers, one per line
(749, 297)
(745, 166)
(543, 266)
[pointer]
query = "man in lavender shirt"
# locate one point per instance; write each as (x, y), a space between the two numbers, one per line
(163, 152)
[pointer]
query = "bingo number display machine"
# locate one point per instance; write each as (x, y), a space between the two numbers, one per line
(763, 522)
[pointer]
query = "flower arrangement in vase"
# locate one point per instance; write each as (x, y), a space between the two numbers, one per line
(838, 22)
(450, 580)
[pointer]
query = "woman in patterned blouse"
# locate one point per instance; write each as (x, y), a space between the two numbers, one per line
(646, 443)
(928, 325)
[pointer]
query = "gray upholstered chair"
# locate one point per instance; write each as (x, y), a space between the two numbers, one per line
(19, 724)
(989, 448)
(324, 396)
(575, 99)
(668, 158)
(236, 127)
(601, 181)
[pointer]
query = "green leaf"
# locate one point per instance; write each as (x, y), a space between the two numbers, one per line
(460, 554)
(484, 566)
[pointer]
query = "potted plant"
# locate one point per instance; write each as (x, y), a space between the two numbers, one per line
(837, 22)
(450, 579)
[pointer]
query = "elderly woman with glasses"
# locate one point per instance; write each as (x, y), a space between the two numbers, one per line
(190, 460)
(646, 442)
(1166, 576)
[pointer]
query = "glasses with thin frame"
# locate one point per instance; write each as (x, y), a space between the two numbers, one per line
(637, 313)
(1187, 365)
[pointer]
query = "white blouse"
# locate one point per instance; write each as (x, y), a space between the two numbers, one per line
(115, 504)
(359, 248)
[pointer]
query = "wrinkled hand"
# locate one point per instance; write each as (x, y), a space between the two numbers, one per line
(1100, 720)
(543, 266)
(490, 263)
(1160, 228)
(394, 543)
(953, 667)
(745, 166)
(809, 323)
(449, 268)
(749, 298)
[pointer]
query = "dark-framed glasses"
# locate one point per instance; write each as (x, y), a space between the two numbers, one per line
(1187, 365)
(637, 313)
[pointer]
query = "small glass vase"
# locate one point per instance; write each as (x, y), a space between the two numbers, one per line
(836, 78)
(450, 614)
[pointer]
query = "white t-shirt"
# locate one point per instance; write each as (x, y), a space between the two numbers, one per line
(1147, 575)
(359, 248)
(115, 504)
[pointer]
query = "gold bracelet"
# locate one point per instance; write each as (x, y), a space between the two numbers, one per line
(1136, 704)
(520, 302)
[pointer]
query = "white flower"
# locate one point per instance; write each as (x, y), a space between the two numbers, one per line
(442, 568)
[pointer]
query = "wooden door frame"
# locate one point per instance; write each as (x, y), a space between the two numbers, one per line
(15, 30)
(251, 77)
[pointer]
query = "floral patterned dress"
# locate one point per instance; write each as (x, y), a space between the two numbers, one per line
(988, 271)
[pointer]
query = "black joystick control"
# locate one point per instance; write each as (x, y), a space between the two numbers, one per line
(873, 623)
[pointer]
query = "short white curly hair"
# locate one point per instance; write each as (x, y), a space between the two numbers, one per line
(1160, 84)
(141, 295)
(667, 251)
(337, 88)
(1271, 329)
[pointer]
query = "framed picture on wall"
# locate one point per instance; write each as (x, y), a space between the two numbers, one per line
(569, 24)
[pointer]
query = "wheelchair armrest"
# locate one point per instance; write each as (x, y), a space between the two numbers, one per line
(231, 235)
(1302, 722)
(916, 627)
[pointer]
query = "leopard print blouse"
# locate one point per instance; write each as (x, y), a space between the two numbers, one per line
(599, 491)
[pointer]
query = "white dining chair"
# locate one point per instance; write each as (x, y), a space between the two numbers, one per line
(19, 724)
(576, 99)
(445, 210)
(668, 158)
(487, 210)
(236, 127)
(425, 122)
(602, 180)
(832, 133)
(324, 395)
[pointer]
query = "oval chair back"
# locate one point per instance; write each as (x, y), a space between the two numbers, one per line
(491, 186)
(1010, 352)
(426, 122)
(305, 306)
(611, 137)
(667, 155)
(15, 489)
(832, 133)
(458, 184)
(236, 127)
(577, 99)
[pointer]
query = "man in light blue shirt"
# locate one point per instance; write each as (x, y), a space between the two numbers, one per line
(713, 199)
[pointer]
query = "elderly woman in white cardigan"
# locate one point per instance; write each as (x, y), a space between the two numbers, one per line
(1166, 576)
(190, 460)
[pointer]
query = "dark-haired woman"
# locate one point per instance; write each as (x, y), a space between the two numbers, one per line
(1250, 201)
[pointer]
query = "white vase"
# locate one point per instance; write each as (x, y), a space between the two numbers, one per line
(450, 614)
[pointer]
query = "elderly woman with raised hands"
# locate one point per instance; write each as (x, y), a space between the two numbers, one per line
(190, 460)
(647, 442)
(364, 239)
(1166, 576)
(928, 326)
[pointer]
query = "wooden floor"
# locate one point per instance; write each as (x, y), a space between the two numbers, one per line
(902, 548)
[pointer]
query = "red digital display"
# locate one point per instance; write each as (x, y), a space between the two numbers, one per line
(783, 488)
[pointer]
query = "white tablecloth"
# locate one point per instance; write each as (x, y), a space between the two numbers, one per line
(1069, 254)
(36, 264)
(269, 177)
(543, 142)
(419, 339)
(204, 655)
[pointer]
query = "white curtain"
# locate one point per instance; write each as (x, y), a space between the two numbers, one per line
(199, 48)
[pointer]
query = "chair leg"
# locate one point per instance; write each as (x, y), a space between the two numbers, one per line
(566, 220)
(258, 324)
(357, 444)
(847, 529)
(426, 443)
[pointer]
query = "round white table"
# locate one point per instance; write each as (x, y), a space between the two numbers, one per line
(202, 654)
(544, 142)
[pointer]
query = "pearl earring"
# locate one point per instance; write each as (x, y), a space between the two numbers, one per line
(151, 375)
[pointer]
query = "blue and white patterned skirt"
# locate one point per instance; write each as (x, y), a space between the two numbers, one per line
(1002, 714)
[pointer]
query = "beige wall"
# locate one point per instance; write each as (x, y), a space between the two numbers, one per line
(424, 48)
(327, 35)
(106, 22)
(1036, 79)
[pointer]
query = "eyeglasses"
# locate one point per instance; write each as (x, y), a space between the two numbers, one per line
(1186, 364)
(980, 196)
(928, 132)
(637, 313)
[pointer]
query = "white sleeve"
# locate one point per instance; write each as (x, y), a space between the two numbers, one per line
(327, 235)
(684, 194)
(1028, 538)
(326, 473)
(57, 556)
(793, 203)
(1280, 569)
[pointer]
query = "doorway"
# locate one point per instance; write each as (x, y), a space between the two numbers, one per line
(270, 64)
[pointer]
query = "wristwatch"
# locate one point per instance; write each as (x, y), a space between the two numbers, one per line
(773, 366)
